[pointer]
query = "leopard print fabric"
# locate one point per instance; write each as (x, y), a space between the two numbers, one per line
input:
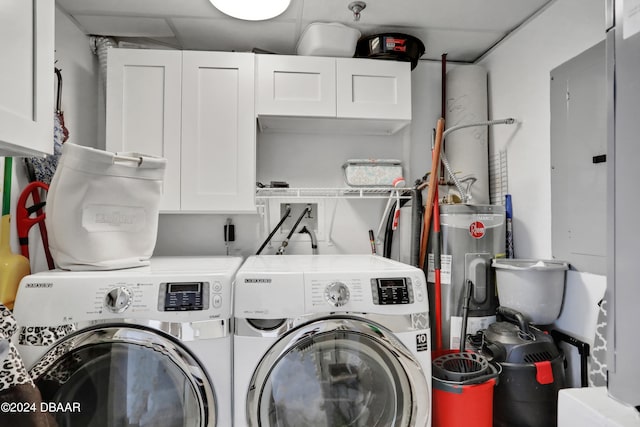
(62, 371)
(44, 335)
(47, 336)
(8, 325)
(12, 370)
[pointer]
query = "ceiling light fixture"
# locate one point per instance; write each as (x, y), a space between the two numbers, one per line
(252, 10)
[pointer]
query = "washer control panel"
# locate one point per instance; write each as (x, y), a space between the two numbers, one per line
(184, 296)
(375, 293)
(392, 290)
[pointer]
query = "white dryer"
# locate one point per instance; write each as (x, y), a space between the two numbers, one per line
(148, 346)
(331, 340)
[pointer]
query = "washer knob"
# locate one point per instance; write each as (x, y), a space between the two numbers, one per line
(337, 294)
(118, 299)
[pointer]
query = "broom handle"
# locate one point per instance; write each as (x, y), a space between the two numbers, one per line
(433, 182)
(6, 186)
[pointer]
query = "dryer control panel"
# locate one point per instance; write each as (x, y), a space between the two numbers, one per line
(392, 290)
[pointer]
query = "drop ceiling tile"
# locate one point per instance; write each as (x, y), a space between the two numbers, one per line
(201, 8)
(462, 46)
(466, 29)
(168, 8)
(124, 26)
(499, 15)
(234, 35)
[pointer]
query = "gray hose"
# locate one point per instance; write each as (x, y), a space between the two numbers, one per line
(464, 195)
(312, 236)
(100, 46)
(507, 121)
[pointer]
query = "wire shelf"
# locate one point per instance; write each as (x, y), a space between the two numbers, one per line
(330, 193)
(498, 183)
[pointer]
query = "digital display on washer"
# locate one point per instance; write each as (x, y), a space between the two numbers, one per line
(392, 290)
(185, 296)
(185, 287)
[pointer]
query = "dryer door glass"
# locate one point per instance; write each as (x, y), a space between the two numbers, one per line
(130, 378)
(341, 378)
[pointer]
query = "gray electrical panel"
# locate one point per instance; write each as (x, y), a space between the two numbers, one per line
(623, 290)
(579, 162)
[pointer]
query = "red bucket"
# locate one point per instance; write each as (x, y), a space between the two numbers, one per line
(464, 403)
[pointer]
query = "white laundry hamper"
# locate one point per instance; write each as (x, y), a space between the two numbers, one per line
(102, 208)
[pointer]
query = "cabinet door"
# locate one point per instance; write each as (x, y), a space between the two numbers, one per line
(296, 86)
(373, 89)
(218, 132)
(143, 110)
(26, 77)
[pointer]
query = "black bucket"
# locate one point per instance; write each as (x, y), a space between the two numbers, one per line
(532, 371)
(527, 394)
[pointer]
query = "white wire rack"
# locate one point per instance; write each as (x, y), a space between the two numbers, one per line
(329, 193)
(268, 201)
(498, 185)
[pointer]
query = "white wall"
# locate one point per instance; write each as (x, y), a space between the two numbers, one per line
(519, 70)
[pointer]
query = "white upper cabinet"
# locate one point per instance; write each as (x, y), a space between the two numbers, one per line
(343, 95)
(196, 109)
(26, 77)
(296, 85)
(144, 108)
(218, 132)
(373, 89)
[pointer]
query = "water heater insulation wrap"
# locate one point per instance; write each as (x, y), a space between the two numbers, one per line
(467, 149)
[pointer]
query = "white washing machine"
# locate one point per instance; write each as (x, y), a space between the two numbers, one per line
(148, 346)
(331, 340)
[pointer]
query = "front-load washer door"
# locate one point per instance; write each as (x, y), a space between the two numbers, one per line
(338, 372)
(121, 376)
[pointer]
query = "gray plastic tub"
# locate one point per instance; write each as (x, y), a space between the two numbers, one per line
(533, 287)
